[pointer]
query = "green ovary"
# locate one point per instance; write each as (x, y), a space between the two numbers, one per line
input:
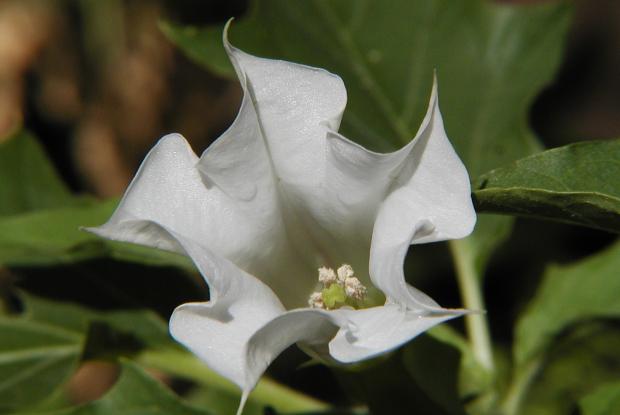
(334, 296)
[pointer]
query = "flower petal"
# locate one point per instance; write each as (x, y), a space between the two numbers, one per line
(380, 329)
(430, 201)
(296, 105)
(169, 191)
(356, 183)
(218, 331)
(351, 335)
(314, 327)
(271, 160)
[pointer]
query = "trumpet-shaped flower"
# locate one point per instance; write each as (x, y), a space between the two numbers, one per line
(299, 233)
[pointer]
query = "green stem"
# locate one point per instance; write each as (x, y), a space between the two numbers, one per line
(476, 323)
(519, 387)
(267, 392)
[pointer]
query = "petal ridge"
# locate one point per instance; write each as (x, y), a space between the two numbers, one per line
(430, 201)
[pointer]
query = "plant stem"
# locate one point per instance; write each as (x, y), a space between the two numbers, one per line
(521, 382)
(267, 392)
(469, 283)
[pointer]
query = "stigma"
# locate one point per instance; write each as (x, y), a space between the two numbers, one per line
(339, 288)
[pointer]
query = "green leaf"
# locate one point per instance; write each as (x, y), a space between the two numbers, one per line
(193, 41)
(40, 219)
(41, 348)
(28, 181)
(569, 294)
(603, 401)
(578, 184)
(585, 359)
(485, 55)
(36, 357)
(53, 236)
(136, 392)
(144, 326)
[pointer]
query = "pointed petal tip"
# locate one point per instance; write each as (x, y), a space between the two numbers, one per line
(225, 40)
(95, 230)
(454, 312)
(243, 401)
(173, 138)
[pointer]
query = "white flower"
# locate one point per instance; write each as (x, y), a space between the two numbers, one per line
(280, 194)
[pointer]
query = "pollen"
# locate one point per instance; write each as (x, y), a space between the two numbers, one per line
(327, 276)
(345, 271)
(316, 300)
(354, 288)
(338, 289)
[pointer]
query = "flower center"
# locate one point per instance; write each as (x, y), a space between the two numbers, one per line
(339, 289)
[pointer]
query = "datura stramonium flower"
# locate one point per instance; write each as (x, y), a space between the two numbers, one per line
(300, 233)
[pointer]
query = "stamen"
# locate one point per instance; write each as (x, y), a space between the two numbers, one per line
(316, 300)
(354, 288)
(339, 289)
(345, 271)
(327, 276)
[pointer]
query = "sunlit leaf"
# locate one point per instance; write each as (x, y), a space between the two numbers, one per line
(578, 183)
(53, 236)
(40, 219)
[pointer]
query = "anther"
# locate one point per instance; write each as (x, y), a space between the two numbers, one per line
(345, 271)
(327, 276)
(316, 300)
(354, 288)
